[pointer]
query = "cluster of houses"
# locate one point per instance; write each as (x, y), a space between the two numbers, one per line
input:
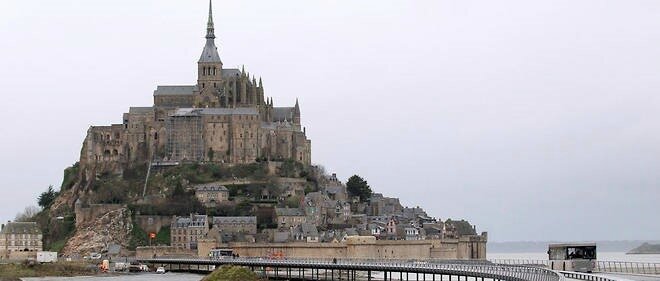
(327, 215)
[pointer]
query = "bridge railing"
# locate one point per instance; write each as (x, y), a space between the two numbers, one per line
(601, 266)
(528, 262)
(586, 276)
(628, 267)
(479, 270)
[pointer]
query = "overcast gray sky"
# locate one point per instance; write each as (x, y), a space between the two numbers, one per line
(535, 120)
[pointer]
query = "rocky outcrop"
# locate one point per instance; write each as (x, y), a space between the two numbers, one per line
(94, 235)
(646, 248)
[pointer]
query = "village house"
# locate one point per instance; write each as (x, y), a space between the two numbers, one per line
(186, 231)
(306, 232)
(20, 237)
(211, 193)
(289, 217)
(236, 225)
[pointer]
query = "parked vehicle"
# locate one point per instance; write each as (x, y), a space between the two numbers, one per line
(218, 254)
(121, 266)
(144, 268)
(135, 267)
(580, 257)
(46, 257)
(160, 270)
(95, 256)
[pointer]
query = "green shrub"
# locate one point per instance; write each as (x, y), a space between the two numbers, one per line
(231, 273)
(70, 176)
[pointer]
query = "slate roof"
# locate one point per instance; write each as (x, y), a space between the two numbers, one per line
(194, 220)
(215, 111)
(283, 113)
(141, 110)
(21, 227)
(230, 72)
(351, 232)
(210, 52)
(210, 187)
(309, 230)
(289, 212)
(175, 90)
(234, 220)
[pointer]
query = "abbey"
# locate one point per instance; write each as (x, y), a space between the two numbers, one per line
(224, 118)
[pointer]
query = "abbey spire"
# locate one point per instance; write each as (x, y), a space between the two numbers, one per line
(209, 25)
(209, 66)
(210, 52)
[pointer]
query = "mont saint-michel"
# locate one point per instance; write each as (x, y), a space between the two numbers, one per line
(216, 165)
(223, 118)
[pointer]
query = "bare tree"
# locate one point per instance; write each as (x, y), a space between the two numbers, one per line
(27, 214)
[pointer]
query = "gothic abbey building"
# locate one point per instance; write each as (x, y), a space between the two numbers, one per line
(224, 118)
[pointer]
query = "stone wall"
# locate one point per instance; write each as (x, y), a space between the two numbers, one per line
(164, 251)
(17, 255)
(152, 223)
(469, 247)
(94, 211)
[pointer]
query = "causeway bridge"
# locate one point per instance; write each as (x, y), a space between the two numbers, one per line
(440, 270)
(353, 270)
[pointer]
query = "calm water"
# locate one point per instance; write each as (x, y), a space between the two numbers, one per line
(602, 256)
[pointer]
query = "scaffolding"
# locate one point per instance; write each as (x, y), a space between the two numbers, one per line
(185, 142)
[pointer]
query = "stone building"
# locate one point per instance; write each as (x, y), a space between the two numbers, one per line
(224, 117)
(236, 225)
(211, 193)
(186, 231)
(20, 237)
(289, 217)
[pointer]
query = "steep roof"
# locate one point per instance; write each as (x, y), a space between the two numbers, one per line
(230, 72)
(215, 111)
(141, 110)
(283, 113)
(309, 230)
(178, 90)
(192, 220)
(234, 220)
(289, 212)
(210, 52)
(21, 227)
(210, 187)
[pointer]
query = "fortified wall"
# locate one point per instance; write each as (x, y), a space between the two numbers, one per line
(93, 211)
(152, 223)
(465, 248)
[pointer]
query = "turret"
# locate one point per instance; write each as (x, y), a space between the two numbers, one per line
(209, 66)
(260, 93)
(252, 100)
(296, 115)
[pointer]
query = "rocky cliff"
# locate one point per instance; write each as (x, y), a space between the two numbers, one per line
(94, 235)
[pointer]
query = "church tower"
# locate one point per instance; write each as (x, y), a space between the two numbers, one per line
(209, 66)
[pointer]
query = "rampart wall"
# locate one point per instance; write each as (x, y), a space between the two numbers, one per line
(469, 247)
